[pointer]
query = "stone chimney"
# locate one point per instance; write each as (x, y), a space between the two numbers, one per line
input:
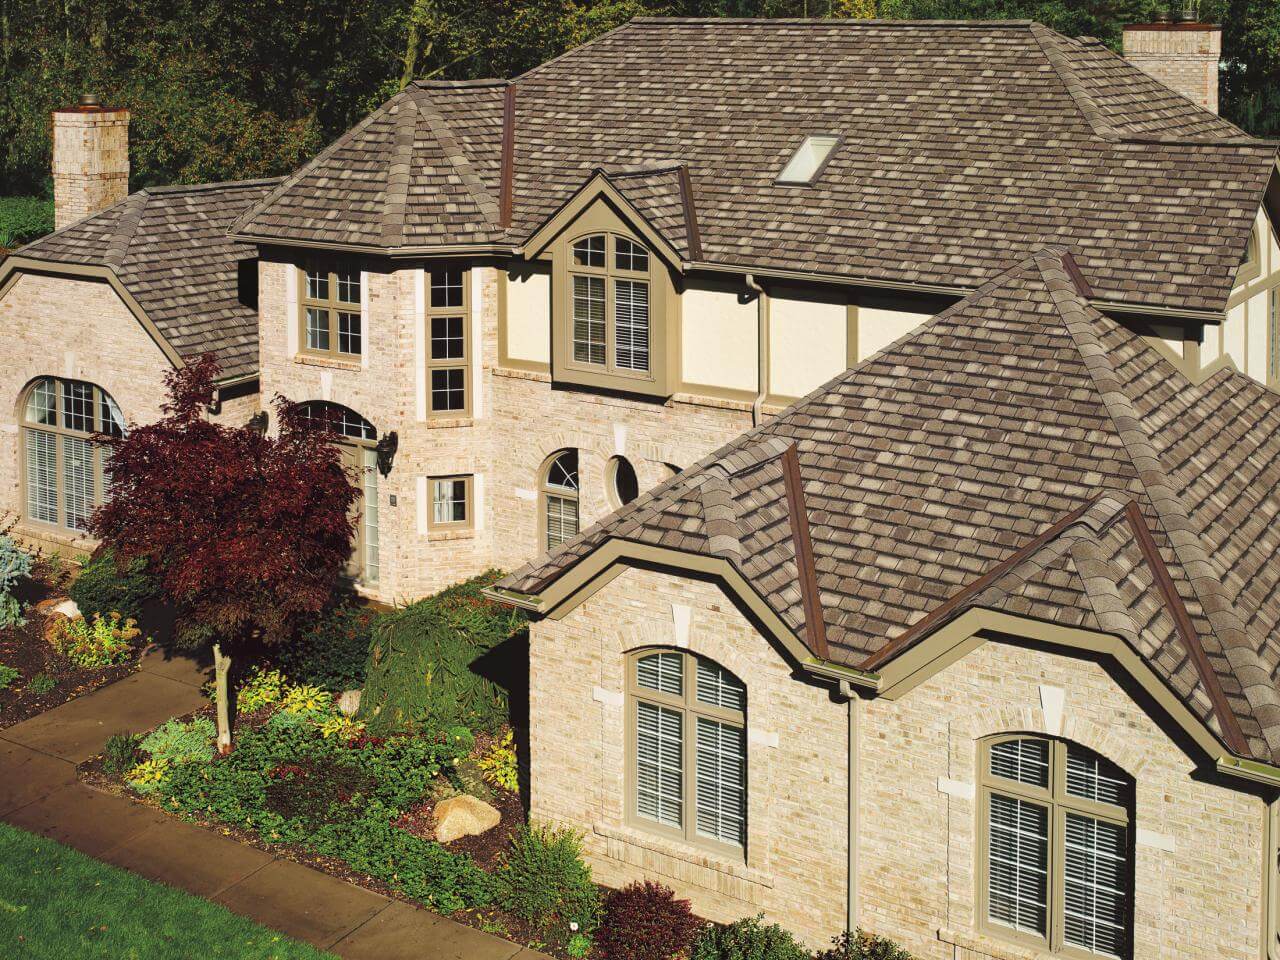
(90, 159)
(1183, 56)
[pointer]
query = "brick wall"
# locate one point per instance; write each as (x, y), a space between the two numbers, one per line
(1184, 57)
(1198, 856)
(90, 162)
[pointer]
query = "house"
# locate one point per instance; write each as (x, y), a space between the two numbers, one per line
(975, 646)
(541, 297)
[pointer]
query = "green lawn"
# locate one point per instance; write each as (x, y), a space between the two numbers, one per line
(58, 904)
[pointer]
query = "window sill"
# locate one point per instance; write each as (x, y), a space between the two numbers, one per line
(331, 363)
(988, 946)
(682, 852)
(439, 536)
(54, 537)
(448, 423)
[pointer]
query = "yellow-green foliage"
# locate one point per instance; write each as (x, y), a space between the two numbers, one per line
(341, 726)
(498, 765)
(102, 644)
(306, 701)
(261, 689)
(150, 775)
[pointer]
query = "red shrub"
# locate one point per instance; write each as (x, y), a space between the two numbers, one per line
(645, 921)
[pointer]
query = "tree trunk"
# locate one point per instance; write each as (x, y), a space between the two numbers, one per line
(221, 667)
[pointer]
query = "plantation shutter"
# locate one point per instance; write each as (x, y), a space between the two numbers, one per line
(718, 687)
(588, 319)
(663, 672)
(42, 476)
(659, 764)
(631, 324)
(1094, 875)
(369, 502)
(77, 482)
(1018, 864)
(562, 520)
(721, 788)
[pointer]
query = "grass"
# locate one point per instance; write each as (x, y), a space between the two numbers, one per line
(56, 903)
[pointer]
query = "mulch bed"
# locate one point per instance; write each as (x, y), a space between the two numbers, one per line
(26, 650)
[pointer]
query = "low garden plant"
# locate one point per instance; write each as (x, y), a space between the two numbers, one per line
(543, 880)
(645, 921)
(120, 754)
(7, 676)
(747, 939)
(181, 742)
(861, 945)
(41, 684)
(498, 764)
(106, 641)
(106, 585)
(15, 564)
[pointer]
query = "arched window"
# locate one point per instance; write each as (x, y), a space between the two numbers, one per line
(356, 439)
(687, 748)
(610, 303)
(560, 498)
(1056, 848)
(621, 479)
(64, 471)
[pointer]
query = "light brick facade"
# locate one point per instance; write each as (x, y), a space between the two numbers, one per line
(90, 162)
(1184, 57)
(1199, 855)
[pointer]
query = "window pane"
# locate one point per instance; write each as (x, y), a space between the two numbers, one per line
(562, 520)
(663, 672)
(448, 389)
(317, 285)
(369, 505)
(112, 420)
(317, 328)
(631, 324)
(77, 482)
(42, 476)
(589, 251)
(718, 687)
(1093, 778)
(349, 333)
(588, 319)
(721, 782)
(659, 764)
(629, 255)
(449, 501)
(1095, 873)
(42, 404)
(77, 406)
(446, 288)
(1018, 863)
(446, 338)
(563, 471)
(1026, 761)
(349, 286)
(337, 419)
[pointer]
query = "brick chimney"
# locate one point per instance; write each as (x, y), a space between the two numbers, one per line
(90, 159)
(1183, 56)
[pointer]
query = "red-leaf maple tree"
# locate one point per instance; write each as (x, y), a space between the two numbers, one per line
(245, 532)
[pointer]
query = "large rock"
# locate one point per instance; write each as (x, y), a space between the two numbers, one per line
(463, 816)
(349, 702)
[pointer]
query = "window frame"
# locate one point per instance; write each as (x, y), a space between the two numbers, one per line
(333, 307)
(463, 363)
(61, 433)
(468, 499)
(610, 274)
(690, 710)
(1059, 803)
(1273, 336)
(547, 489)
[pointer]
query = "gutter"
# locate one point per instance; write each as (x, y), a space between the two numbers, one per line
(762, 349)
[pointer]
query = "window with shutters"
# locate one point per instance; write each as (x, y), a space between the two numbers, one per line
(609, 321)
(559, 499)
(329, 311)
(687, 752)
(66, 475)
(448, 342)
(1056, 871)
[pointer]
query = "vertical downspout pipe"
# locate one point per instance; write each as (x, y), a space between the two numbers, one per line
(851, 905)
(762, 349)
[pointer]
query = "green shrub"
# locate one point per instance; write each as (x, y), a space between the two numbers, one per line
(543, 880)
(120, 753)
(862, 946)
(23, 219)
(260, 689)
(41, 684)
(7, 676)
(103, 643)
(421, 672)
(333, 652)
(747, 939)
(179, 742)
(105, 586)
(15, 563)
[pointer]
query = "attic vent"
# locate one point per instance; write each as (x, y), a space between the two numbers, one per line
(804, 165)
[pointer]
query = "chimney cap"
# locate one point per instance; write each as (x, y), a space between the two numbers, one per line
(90, 100)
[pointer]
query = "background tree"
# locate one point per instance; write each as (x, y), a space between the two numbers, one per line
(245, 533)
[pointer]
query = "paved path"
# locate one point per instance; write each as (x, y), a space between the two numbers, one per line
(39, 792)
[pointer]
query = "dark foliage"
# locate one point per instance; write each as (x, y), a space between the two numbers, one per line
(332, 653)
(106, 585)
(23, 219)
(861, 945)
(645, 921)
(747, 939)
(120, 752)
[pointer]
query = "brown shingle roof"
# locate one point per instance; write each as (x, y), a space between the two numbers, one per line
(170, 249)
(1019, 451)
(964, 147)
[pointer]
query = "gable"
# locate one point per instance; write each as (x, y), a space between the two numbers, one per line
(600, 207)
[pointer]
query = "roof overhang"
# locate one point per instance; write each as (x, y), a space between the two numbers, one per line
(930, 655)
(598, 187)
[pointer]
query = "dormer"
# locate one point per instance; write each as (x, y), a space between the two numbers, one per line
(617, 249)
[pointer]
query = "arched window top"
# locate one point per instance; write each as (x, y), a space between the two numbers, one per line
(562, 471)
(690, 677)
(1057, 766)
(71, 406)
(338, 419)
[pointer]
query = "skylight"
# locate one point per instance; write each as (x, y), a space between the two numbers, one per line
(808, 159)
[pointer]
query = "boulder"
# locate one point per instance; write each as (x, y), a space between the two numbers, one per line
(349, 702)
(67, 608)
(463, 816)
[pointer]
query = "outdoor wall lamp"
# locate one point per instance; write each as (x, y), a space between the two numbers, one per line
(386, 448)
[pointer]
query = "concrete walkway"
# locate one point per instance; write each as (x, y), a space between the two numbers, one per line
(39, 792)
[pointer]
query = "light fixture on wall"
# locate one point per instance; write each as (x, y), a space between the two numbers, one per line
(258, 423)
(386, 448)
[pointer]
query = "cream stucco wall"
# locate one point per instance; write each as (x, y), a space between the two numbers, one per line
(1245, 334)
(877, 328)
(808, 340)
(719, 336)
(528, 304)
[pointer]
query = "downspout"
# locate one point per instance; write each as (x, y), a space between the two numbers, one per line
(762, 349)
(852, 700)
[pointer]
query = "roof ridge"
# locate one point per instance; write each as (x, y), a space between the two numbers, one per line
(488, 204)
(720, 515)
(212, 185)
(1163, 497)
(399, 169)
(823, 21)
(126, 228)
(1047, 40)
